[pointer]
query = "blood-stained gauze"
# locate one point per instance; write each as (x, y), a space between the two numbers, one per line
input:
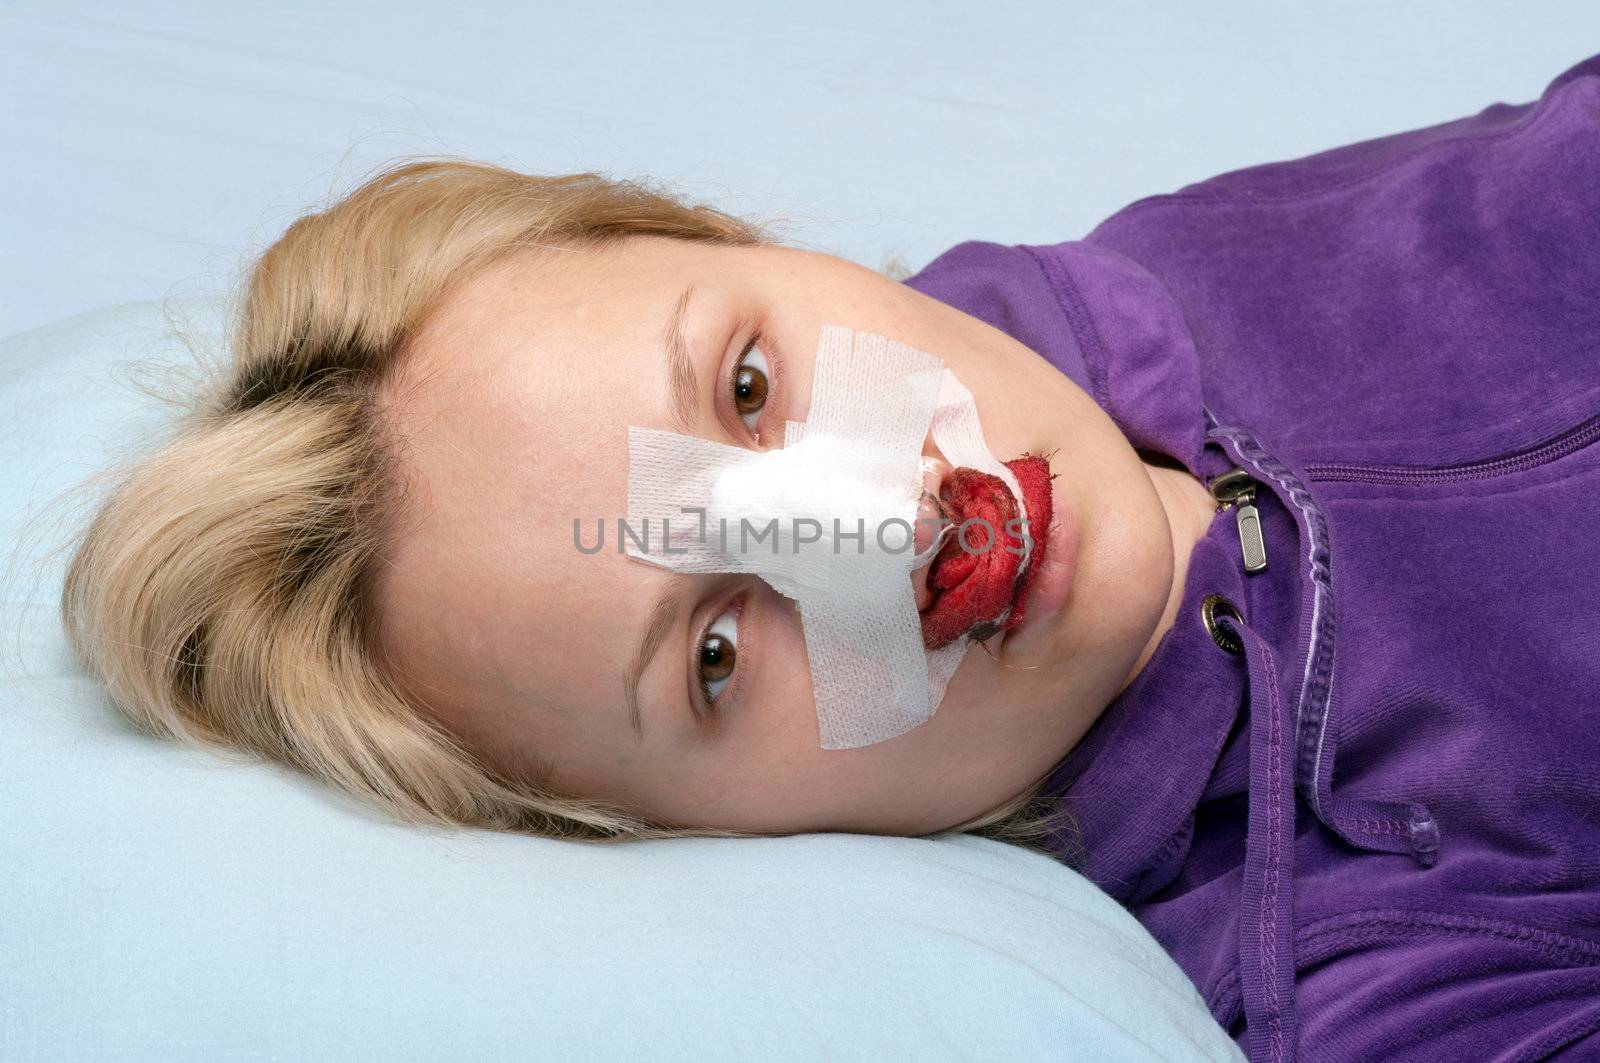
(827, 520)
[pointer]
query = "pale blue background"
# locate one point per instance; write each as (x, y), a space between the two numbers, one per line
(157, 903)
(152, 145)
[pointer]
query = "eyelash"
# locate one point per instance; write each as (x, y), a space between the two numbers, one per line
(774, 379)
(736, 606)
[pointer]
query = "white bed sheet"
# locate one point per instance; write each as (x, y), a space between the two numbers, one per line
(167, 904)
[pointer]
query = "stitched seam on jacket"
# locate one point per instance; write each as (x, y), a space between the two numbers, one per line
(1574, 405)
(1082, 323)
(1269, 896)
(1573, 951)
(1317, 942)
(1381, 826)
(1175, 841)
(1311, 709)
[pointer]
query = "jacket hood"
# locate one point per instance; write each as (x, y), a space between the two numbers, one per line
(1135, 778)
(1233, 729)
(1396, 332)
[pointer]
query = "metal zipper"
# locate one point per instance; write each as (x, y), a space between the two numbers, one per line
(1575, 438)
(1237, 488)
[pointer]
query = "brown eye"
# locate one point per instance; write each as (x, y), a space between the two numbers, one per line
(718, 654)
(750, 387)
(750, 390)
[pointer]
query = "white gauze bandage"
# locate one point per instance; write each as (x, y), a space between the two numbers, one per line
(827, 520)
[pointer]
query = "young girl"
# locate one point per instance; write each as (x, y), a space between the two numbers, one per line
(1301, 669)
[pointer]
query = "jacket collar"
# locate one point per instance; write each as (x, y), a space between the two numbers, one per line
(1132, 349)
(1136, 778)
(1198, 722)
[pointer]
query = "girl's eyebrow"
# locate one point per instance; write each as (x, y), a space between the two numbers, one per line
(663, 615)
(682, 386)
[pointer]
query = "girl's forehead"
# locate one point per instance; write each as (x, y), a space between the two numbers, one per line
(550, 368)
(586, 283)
(517, 428)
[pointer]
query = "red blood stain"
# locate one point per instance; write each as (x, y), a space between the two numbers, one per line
(973, 586)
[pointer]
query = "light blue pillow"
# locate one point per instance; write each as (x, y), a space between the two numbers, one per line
(167, 903)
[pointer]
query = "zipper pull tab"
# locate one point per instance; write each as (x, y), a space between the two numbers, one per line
(1237, 487)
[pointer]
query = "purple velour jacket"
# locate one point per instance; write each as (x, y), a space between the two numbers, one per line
(1361, 806)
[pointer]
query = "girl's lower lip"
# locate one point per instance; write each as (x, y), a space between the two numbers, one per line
(1053, 583)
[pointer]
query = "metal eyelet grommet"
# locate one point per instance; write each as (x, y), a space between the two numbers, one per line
(1210, 606)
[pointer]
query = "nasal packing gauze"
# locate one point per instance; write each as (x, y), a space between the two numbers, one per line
(828, 520)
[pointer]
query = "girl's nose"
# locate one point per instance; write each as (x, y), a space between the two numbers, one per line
(929, 524)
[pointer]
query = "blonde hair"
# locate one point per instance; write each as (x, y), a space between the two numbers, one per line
(223, 590)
